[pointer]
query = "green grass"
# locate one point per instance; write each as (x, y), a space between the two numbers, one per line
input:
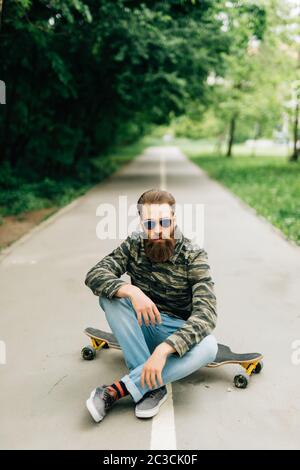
(271, 185)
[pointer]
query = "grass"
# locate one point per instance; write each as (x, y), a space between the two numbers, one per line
(271, 185)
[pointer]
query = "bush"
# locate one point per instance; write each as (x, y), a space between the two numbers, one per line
(19, 200)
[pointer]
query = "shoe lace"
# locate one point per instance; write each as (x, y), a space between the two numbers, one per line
(154, 392)
(109, 399)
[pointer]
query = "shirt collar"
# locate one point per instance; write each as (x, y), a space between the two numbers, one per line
(178, 245)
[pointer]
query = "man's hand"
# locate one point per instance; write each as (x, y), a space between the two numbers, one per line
(145, 308)
(153, 367)
(142, 304)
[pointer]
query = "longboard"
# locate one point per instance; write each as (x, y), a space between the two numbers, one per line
(251, 362)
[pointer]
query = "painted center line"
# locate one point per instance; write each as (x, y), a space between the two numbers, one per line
(162, 172)
(163, 434)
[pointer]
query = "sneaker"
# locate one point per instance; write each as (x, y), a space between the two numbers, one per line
(149, 405)
(99, 403)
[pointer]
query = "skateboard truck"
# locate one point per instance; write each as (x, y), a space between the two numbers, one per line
(99, 340)
(89, 352)
(241, 380)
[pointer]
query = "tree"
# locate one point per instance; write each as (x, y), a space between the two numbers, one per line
(246, 24)
(83, 75)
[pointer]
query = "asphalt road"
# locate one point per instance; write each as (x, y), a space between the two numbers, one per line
(45, 306)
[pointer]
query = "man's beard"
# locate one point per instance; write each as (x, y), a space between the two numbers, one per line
(160, 251)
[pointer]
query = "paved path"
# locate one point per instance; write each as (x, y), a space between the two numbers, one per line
(44, 307)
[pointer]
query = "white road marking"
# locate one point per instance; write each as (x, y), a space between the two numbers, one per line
(162, 172)
(163, 434)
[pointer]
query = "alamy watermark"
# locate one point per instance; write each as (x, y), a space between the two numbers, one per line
(2, 353)
(119, 222)
(295, 358)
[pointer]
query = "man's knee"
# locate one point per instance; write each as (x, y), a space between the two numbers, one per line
(207, 348)
(110, 305)
(211, 347)
(103, 301)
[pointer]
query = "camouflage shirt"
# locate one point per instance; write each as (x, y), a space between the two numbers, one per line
(181, 287)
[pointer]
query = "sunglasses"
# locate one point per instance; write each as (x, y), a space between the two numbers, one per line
(149, 224)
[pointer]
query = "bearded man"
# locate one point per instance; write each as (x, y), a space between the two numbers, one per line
(163, 320)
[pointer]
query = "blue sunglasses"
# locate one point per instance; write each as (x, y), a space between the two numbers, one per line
(149, 224)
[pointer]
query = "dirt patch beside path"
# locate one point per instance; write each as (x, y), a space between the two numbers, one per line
(15, 226)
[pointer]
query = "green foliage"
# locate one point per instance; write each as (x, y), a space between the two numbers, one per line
(257, 88)
(184, 126)
(83, 76)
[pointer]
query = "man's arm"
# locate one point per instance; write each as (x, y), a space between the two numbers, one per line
(204, 315)
(103, 278)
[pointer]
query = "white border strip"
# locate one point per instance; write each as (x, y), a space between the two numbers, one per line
(163, 433)
(162, 172)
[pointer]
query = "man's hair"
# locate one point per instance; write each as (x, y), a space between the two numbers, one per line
(156, 196)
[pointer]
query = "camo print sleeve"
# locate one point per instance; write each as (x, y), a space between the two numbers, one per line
(103, 278)
(204, 315)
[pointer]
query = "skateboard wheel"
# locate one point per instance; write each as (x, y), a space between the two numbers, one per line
(241, 380)
(88, 353)
(258, 367)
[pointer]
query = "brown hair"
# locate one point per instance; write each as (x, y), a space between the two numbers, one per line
(156, 196)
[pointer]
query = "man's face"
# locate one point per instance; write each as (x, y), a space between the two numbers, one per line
(158, 224)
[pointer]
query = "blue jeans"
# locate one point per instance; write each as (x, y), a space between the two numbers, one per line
(138, 343)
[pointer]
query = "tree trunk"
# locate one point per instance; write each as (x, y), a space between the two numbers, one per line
(295, 154)
(231, 135)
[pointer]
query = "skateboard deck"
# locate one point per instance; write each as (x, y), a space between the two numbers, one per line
(250, 362)
(226, 356)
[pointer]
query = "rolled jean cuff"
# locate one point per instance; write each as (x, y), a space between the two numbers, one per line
(132, 388)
